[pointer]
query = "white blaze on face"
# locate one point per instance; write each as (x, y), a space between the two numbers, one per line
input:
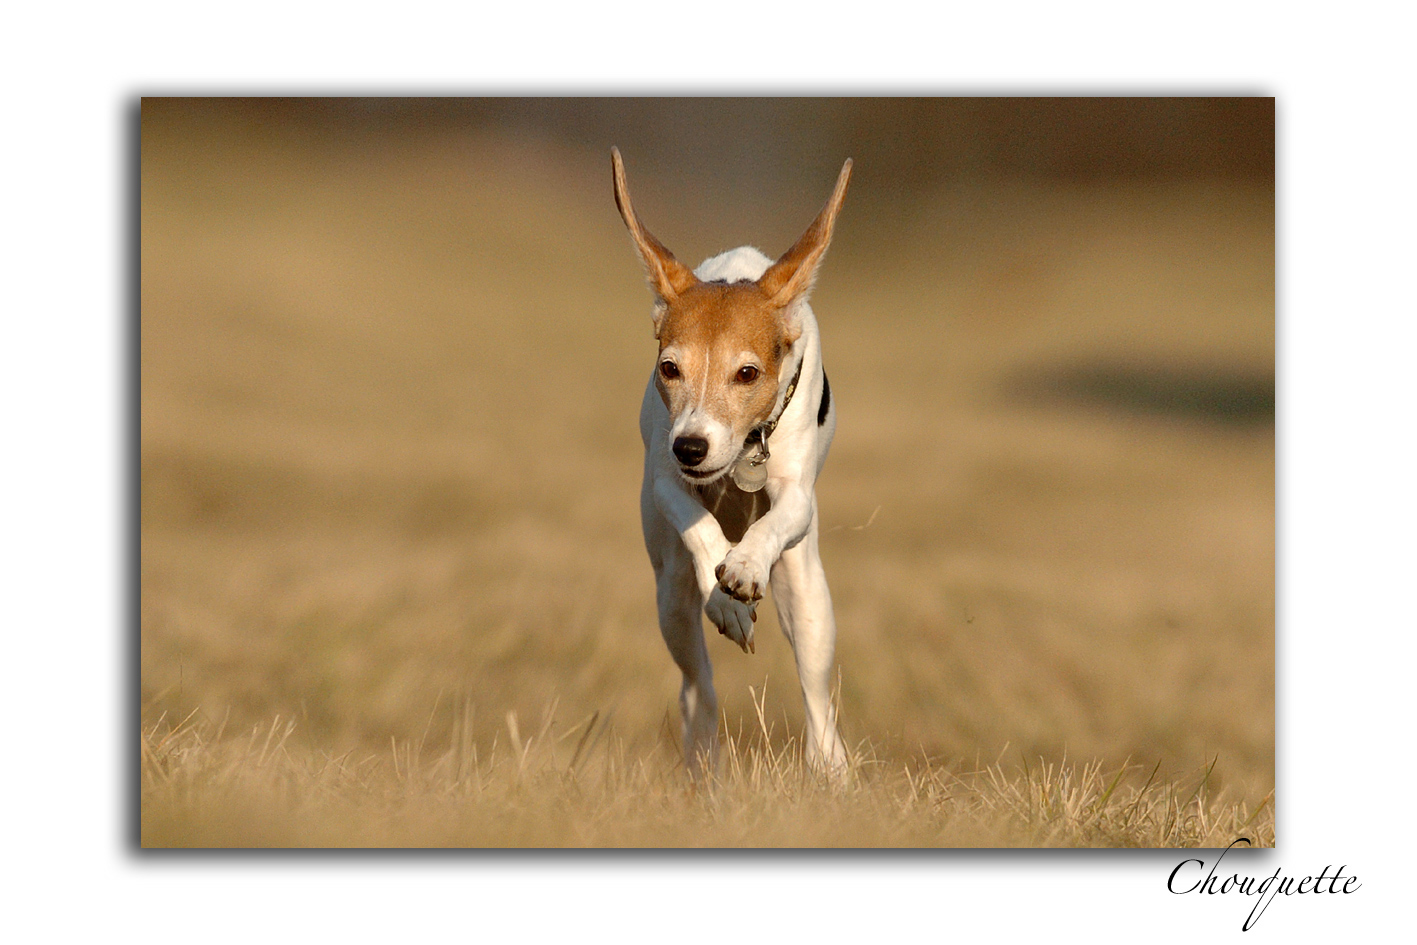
(718, 395)
(721, 350)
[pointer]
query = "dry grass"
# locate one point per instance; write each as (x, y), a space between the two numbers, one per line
(583, 787)
(390, 462)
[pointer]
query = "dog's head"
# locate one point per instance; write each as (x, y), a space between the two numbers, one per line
(724, 348)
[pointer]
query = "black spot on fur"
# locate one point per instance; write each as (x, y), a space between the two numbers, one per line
(826, 400)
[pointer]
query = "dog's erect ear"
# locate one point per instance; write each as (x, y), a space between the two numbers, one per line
(668, 277)
(791, 277)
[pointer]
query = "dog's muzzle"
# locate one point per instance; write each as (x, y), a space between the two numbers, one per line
(690, 450)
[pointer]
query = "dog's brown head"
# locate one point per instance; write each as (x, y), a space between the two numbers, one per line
(724, 347)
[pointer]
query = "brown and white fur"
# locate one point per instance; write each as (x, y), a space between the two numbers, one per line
(731, 337)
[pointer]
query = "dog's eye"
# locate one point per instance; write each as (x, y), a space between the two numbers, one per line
(747, 374)
(668, 370)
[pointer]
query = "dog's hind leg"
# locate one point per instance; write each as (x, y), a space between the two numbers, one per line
(804, 608)
(681, 623)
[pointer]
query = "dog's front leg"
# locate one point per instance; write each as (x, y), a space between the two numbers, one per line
(745, 570)
(704, 540)
(804, 609)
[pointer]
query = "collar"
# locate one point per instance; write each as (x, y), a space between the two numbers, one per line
(761, 432)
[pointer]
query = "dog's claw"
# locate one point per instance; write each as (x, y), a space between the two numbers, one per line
(750, 596)
(742, 577)
(752, 647)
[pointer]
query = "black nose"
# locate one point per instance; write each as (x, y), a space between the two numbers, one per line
(691, 450)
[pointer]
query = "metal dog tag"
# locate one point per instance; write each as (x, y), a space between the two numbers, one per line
(750, 472)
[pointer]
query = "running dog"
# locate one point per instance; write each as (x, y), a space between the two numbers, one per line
(736, 421)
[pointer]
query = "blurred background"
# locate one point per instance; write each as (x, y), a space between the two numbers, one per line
(392, 355)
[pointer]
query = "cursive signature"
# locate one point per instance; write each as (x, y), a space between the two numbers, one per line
(1267, 889)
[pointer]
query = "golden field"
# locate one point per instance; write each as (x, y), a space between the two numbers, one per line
(393, 590)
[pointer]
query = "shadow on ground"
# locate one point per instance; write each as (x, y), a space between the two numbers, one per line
(1209, 395)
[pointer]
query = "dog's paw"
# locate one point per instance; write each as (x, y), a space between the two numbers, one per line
(742, 576)
(733, 618)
